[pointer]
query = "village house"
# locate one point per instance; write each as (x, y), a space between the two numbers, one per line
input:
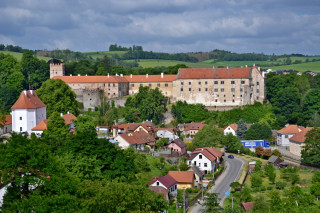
(166, 182)
(146, 126)
(7, 125)
(296, 142)
(160, 190)
(198, 175)
(178, 146)
(138, 140)
(284, 134)
(168, 133)
(185, 179)
(27, 112)
(191, 128)
(232, 128)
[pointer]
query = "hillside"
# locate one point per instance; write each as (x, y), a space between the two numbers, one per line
(18, 56)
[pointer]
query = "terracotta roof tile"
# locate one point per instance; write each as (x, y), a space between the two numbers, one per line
(91, 79)
(139, 137)
(7, 120)
(205, 152)
(233, 126)
(290, 129)
(182, 176)
(69, 118)
(41, 126)
(179, 143)
(166, 180)
(151, 78)
(214, 73)
(214, 151)
(28, 100)
(301, 136)
(194, 126)
(160, 190)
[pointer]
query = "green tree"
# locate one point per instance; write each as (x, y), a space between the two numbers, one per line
(58, 97)
(276, 204)
(8, 96)
(209, 136)
(311, 107)
(315, 187)
(211, 202)
(311, 152)
(232, 143)
(260, 205)
(242, 129)
(258, 132)
(256, 180)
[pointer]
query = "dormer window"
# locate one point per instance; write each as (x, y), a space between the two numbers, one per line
(200, 156)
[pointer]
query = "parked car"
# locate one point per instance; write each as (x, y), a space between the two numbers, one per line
(230, 156)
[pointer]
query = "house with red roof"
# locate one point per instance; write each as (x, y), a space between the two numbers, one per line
(185, 179)
(138, 140)
(27, 112)
(6, 125)
(232, 128)
(296, 142)
(146, 126)
(284, 134)
(191, 128)
(166, 182)
(69, 119)
(206, 158)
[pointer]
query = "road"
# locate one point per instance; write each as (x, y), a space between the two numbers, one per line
(231, 174)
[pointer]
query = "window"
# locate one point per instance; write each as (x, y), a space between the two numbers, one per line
(109, 84)
(242, 82)
(222, 82)
(166, 85)
(286, 136)
(199, 164)
(206, 82)
(189, 82)
(175, 186)
(232, 82)
(216, 89)
(232, 89)
(181, 89)
(114, 84)
(241, 90)
(257, 97)
(181, 82)
(199, 89)
(190, 89)
(205, 164)
(215, 82)
(157, 183)
(132, 85)
(258, 91)
(199, 82)
(200, 156)
(20, 129)
(240, 96)
(206, 89)
(257, 83)
(224, 100)
(149, 85)
(222, 89)
(216, 100)
(233, 100)
(158, 85)
(141, 85)
(20, 118)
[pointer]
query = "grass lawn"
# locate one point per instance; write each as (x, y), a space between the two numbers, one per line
(147, 63)
(101, 54)
(18, 56)
(312, 66)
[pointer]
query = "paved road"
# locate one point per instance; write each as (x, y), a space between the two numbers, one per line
(232, 173)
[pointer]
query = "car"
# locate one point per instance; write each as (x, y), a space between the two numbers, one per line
(230, 156)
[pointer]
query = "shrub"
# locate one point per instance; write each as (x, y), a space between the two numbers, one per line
(256, 180)
(280, 185)
(269, 188)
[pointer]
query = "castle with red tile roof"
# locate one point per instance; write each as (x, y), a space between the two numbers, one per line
(216, 88)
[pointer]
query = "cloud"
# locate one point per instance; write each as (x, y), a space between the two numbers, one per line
(165, 26)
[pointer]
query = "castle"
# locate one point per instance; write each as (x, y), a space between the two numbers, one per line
(216, 88)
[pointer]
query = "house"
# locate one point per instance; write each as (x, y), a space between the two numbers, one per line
(207, 159)
(169, 133)
(160, 190)
(178, 146)
(138, 140)
(27, 112)
(103, 129)
(275, 160)
(232, 128)
(7, 125)
(145, 126)
(166, 182)
(296, 142)
(247, 206)
(191, 128)
(68, 120)
(185, 179)
(198, 175)
(284, 134)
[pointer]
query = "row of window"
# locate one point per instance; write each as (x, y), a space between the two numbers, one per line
(216, 82)
(217, 90)
(150, 85)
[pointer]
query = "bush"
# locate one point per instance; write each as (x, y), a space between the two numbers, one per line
(280, 185)
(269, 188)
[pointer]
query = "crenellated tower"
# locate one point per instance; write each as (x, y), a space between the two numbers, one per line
(57, 68)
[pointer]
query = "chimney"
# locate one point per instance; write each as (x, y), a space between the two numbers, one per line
(86, 75)
(130, 75)
(108, 75)
(78, 74)
(162, 75)
(70, 74)
(146, 75)
(25, 92)
(259, 68)
(61, 114)
(121, 75)
(117, 74)
(246, 65)
(31, 91)
(254, 65)
(68, 112)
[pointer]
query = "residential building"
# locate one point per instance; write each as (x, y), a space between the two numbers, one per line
(146, 126)
(296, 143)
(191, 128)
(284, 134)
(166, 182)
(7, 125)
(198, 175)
(178, 146)
(27, 112)
(138, 140)
(169, 133)
(160, 190)
(185, 179)
(232, 128)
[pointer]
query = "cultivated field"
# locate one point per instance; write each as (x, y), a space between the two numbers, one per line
(18, 56)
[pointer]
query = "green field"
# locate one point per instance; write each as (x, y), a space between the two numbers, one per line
(18, 56)
(100, 55)
(312, 66)
(146, 63)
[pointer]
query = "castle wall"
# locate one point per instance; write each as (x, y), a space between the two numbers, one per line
(164, 87)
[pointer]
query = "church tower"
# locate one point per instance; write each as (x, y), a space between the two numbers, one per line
(57, 68)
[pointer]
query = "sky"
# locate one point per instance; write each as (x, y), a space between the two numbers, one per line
(242, 26)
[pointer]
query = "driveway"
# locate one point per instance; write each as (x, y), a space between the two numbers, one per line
(231, 174)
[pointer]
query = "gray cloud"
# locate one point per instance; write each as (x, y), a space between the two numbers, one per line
(271, 26)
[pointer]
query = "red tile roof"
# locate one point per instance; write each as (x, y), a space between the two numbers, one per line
(214, 151)
(179, 143)
(248, 205)
(233, 126)
(151, 78)
(182, 176)
(41, 126)
(290, 129)
(194, 126)
(205, 152)
(214, 73)
(160, 190)
(301, 136)
(7, 120)
(139, 137)
(167, 181)
(91, 79)
(30, 100)
(69, 118)
(130, 127)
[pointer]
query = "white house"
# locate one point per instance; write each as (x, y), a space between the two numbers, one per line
(6, 125)
(27, 112)
(284, 134)
(167, 133)
(232, 128)
(166, 182)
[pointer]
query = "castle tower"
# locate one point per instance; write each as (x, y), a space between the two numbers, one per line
(57, 68)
